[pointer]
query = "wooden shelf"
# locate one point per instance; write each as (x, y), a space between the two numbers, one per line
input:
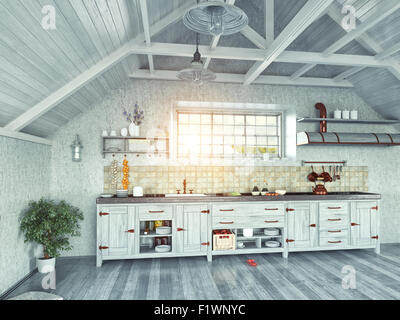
(154, 235)
(124, 149)
(348, 121)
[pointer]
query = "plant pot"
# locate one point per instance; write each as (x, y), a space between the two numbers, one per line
(46, 265)
(134, 130)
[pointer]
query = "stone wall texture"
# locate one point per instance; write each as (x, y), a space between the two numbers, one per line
(24, 176)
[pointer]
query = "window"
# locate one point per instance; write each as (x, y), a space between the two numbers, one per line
(228, 134)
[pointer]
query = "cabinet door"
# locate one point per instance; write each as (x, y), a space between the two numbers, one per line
(302, 225)
(364, 223)
(192, 228)
(117, 231)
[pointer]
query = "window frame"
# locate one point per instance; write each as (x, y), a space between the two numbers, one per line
(288, 125)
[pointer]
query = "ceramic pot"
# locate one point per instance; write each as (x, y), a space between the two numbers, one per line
(134, 130)
(46, 265)
(124, 132)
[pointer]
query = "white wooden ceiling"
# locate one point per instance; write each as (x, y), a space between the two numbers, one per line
(49, 77)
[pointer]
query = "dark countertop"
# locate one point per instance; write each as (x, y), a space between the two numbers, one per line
(244, 198)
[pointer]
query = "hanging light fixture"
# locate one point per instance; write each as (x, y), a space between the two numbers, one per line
(196, 73)
(216, 18)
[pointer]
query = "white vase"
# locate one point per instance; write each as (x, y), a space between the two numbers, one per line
(46, 265)
(134, 130)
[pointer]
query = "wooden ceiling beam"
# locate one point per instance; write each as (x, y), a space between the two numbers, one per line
(269, 22)
(146, 30)
(306, 16)
(229, 53)
(24, 137)
(239, 78)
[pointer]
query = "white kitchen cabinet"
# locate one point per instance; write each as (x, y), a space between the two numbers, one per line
(192, 228)
(302, 225)
(364, 223)
(116, 231)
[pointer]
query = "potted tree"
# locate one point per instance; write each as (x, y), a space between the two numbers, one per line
(50, 224)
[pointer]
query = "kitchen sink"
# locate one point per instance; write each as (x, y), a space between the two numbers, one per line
(188, 195)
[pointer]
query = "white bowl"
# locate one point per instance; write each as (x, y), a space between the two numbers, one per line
(163, 230)
(163, 248)
(281, 192)
(256, 193)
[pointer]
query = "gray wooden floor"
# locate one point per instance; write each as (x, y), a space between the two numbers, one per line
(311, 275)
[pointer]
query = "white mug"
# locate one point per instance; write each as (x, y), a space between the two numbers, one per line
(346, 114)
(354, 114)
(113, 133)
(337, 114)
(138, 192)
(105, 133)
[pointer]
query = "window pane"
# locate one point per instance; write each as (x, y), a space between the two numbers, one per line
(250, 120)
(261, 120)
(205, 129)
(239, 120)
(218, 140)
(206, 118)
(218, 129)
(194, 118)
(218, 119)
(272, 121)
(183, 118)
(260, 131)
(239, 130)
(239, 140)
(250, 131)
(229, 120)
(273, 141)
(261, 141)
(271, 131)
(206, 140)
(206, 149)
(218, 150)
(229, 140)
(228, 130)
(251, 140)
(194, 129)
(228, 150)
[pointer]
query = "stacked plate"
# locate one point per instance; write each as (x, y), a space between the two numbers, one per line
(163, 230)
(272, 244)
(271, 232)
(122, 193)
(163, 249)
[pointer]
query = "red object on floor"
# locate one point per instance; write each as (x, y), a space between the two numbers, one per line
(252, 263)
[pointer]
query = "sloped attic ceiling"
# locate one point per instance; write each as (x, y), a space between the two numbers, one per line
(40, 68)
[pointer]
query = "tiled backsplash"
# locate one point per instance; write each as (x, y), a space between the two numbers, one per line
(218, 179)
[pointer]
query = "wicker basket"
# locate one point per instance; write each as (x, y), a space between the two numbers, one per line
(224, 240)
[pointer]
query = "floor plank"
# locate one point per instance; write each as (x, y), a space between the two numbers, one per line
(305, 275)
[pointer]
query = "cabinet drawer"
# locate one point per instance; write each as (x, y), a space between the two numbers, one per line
(335, 221)
(334, 233)
(333, 242)
(114, 210)
(157, 212)
(333, 208)
(231, 222)
(259, 209)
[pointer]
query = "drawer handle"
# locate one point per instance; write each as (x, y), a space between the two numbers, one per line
(275, 221)
(313, 225)
(335, 241)
(226, 210)
(156, 211)
(232, 222)
(336, 231)
(334, 208)
(271, 209)
(353, 224)
(180, 229)
(131, 231)
(335, 219)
